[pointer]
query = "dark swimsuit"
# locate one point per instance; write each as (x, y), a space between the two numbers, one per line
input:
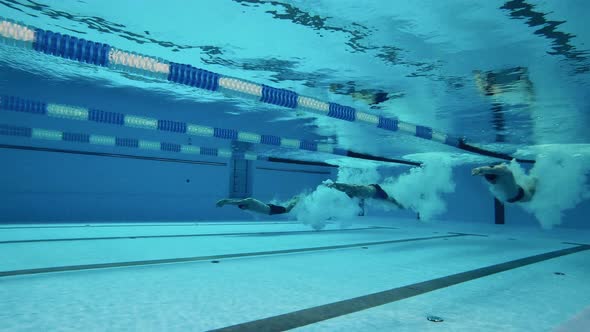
(491, 178)
(518, 196)
(274, 209)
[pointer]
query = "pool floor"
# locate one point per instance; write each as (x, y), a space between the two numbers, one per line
(373, 275)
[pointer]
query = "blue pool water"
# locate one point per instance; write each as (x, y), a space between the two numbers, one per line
(122, 125)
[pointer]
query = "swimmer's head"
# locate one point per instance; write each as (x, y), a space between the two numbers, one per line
(380, 97)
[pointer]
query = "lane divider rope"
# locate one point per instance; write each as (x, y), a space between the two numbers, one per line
(16, 104)
(104, 55)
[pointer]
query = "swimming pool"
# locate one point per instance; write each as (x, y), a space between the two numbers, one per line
(122, 126)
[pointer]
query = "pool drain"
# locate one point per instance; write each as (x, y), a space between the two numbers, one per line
(435, 319)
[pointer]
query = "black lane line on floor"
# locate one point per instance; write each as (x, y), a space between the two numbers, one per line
(577, 244)
(156, 225)
(213, 257)
(472, 234)
(128, 237)
(320, 313)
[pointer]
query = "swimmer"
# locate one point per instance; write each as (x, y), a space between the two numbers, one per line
(373, 191)
(254, 205)
(504, 183)
(370, 96)
(494, 83)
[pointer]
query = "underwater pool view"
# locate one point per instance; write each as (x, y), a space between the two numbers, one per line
(254, 165)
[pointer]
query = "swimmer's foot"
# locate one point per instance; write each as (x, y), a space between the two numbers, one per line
(221, 202)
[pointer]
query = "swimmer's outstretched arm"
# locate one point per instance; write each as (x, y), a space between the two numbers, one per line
(500, 169)
(249, 203)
